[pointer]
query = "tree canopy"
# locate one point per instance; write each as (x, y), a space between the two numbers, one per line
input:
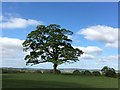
(50, 44)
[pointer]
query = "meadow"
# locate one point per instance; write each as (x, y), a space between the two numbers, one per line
(36, 80)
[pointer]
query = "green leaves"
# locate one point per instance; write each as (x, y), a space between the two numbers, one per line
(50, 44)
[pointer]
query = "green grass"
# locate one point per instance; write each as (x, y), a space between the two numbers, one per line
(35, 80)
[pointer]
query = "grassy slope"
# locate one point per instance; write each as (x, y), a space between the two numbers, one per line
(56, 81)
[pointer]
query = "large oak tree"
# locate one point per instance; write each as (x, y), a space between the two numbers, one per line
(50, 44)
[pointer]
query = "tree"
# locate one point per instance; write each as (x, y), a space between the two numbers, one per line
(110, 72)
(87, 72)
(76, 72)
(50, 44)
(96, 73)
(105, 68)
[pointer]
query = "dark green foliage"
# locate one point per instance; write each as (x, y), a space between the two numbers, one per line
(67, 74)
(38, 71)
(51, 71)
(77, 72)
(104, 69)
(50, 44)
(118, 75)
(109, 72)
(12, 71)
(96, 73)
(87, 72)
(46, 71)
(82, 72)
(4, 71)
(57, 71)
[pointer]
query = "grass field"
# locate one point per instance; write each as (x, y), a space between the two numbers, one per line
(35, 80)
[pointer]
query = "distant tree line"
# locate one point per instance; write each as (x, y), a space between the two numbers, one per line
(11, 70)
(105, 71)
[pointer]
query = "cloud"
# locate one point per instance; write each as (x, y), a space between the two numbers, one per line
(91, 49)
(73, 38)
(95, 53)
(11, 52)
(106, 34)
(15, 22)
(114, 45)
(90, 52)
(111, 61)
(87, 57)
(97, 63)
(12, 55)
(10, 47)
(70, 37)
(11, 43)
(111, 57)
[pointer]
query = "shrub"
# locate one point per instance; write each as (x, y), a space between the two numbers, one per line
(38, 71)
(82, 72)
(96, 73)
(57, 72)
(105, 68)
(21, 71)
(46, 71)
(118, 75)
(110, 73)
(87, 72)
(4, 71)
(51, 71)
(76, 72)
(10, 71)
(67, 73)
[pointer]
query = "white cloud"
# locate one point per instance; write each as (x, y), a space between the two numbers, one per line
(10, 47)
(74, 38)
(106, 34)
(111, 61)
(91, 49)
(87, 57)
(70, 37)
(97, 63)
(114, 45)
(14, 22)
(12, 53)
(11, 43)
(90, 52)
(112, 57)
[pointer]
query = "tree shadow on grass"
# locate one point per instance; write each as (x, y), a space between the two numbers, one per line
(41, 84)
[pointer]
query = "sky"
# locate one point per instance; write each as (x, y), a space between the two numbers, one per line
(95, 28)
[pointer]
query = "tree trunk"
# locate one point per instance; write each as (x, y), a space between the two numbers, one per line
(55, 68)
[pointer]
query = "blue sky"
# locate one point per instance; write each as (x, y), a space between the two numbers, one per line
(81, 18)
